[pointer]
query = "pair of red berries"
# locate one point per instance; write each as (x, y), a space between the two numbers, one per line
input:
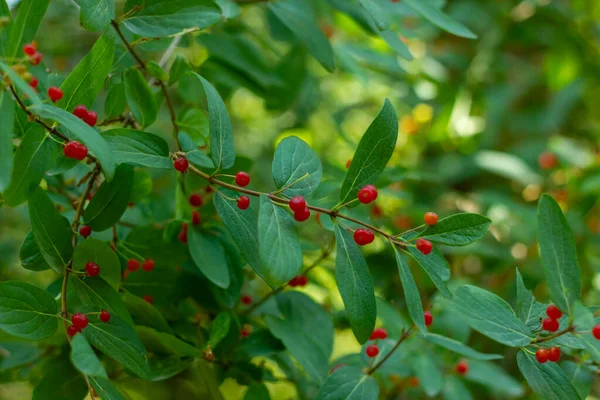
(363, 236)
(80, 321)
(551, 323)
(133, 265)
(551, 354)
(367, 194)
(85, 231)
(75, 150)
(35, 57)
(89, 117)
(378, 333)
(300, 280)
(300, 209)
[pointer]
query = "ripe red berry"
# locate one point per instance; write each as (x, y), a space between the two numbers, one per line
(70, 149)
(302, 280)
(133, 265)
(195, 200)
(430, 218)
(149, 299)
(424, 246)
(246, 300)
(554, 354)
(92, 269)
(547, 160)
(243, 202)
(183, 237)
(29, 49)
(91, 118)
(36, 58)
(462, 367)
(85, 231)
(293, 282)
(553, 312)
(195, 217)
(34, 83)
(378, 333)
(80, 111)
(148, 265)
(550, 325)
(181, 164)
(363, 236)
(55, 93)
(104, 316)
(297, 203)
(81, 151)
(372, 350)
(208, 189)
(242, 179)
(246, 329)
(73, 330)
(79, 321)
(302, 215)
(428, 318)
(367, 194)
(542, 355)
(596, 332)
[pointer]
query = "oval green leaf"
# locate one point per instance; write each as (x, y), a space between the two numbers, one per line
(31, 257)
(547, 380)
(142, 101)
(208, 255)
(7, 116)
(460, 348)
(296, 167)
(411, 292)
(98, 294)
(84, 358)
(349, 383)
(458, 229)
(141, 149)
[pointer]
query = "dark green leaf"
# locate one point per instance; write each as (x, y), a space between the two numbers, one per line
(138, 148)
(437, 17)
(458, 229)
(94, 292)
(142, 186)
(115, 102)
(105, 389)
(61, 381)
(529, 309)
(296, 164)
(208, 255)
(16, 355)
(373, 153)
(164, 343)
(140, 98)
(31, 257)
(435, 265)
(24, 27)
(26, 311)
(178, 69)
(547, 380)
(110, 201)
(584, 321)
(559, 256)
(84, 358)
(96, 14)
(581, 377)
(100, 253)
(156, 71)
(355, 285)
(219, 328)
(144, 313)
(7, 116)
(458, 347)
(349, 383)
(379, 15)
(430, 376)
(411, 292)
(257, 391)
(495, 378)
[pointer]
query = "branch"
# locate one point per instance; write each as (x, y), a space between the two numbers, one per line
(569, 329)
(403, 337)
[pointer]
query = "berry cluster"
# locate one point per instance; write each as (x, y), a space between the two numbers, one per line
(75, 150)
(133, 265)
(373, 350)
(300, 209)
(35, 57)
(196, 201)
(89, 117)
(551, 324)
(80, 321)
(551, 354)
(300, 280)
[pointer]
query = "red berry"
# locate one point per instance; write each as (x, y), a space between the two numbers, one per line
(302, 280)
(363, 236)
(242, 179)
(208, 189)
(293, 282)
(34, 82)
(149, 299)
(547, 160)
(553, 312)
(104, 316)
(378, 333)
(36, 58)
(413, 381)
(554, 354)
(91, 118)
(243, 202)
(81, 152)
(428, 318)
(80, 321)
(196, 200)
(297, 203)
(246, 300)
(348, 162)
(80, 111)
(302, 215)
(372, 350)
(183, 238)
(29, 49)
(181, 164)
(195, 217)
(596, 331)
(550, 325)
(367, 194)
(73, 330)
(462, 367)
(245, 332)
(424, 246)
(92, 269)
(542, 355)
(70, 149)
(148, 265)
(430, 218)
(133, 265)
(55, 93)
(85, 231)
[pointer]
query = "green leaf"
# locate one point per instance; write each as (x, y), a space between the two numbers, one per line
(156, 71)
(349, 383)
(393, 40)
(82, 132)
(60, 381)
(140, 98)
(491, 315)
(296, 164)
(429, 374)
(110, 201)
(24, 27)
(142, 185)
(547, 380)
(96, 14)
(458, 347)
(435, 265)
(306, 330)
(99, 252)
(379, 15)
(20, 83)
(458, 229)
(144, 313)
(141, 149)
(178, 69)
(559, 256)
(279, 247)
(97, 293)
(26, 311)
(529, 309)
(584, 321)
(164, 343)
(19, 355)
(84, 358)
(31, 257)
(373, 153)
(87, 79)
(438, 18)
(115, 102)
(411, 292)
(355, 285)
(117, 340)
(51, 230)
(219, 328)
(208, 255)
(34, 156)
(7, 116)
(160, 18)
(299, 17)
(105, 389)
(221, 131)
(455, 389)
(495, 378)
(257, 391)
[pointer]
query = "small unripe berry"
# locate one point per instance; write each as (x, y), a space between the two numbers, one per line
(148, 265)
(80, 111)
(243, 202)
(85, 231)
(181, 164)
(428, 318)
(547, 160)
(542, 355)
(148, 299)
(36, 58)
(596, 332)
(80, 321)
(246, 300)
(372, 350)
(195, 217)
(302, 215)
(92, 269)
(29, 49)
(363, 236)
(348, 162)
(104, 316)
(424, 246)
(430, 218)
(242, 179)
(196, 200)
(553, 312)
(55, 93)
(367, 194)
(297, 203)
(550, 325)
(91, 118)
(554, 354)
(73, 330)
(133, 265)
(462, 367)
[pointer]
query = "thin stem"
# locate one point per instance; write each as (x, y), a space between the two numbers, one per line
(130, 49)
(569, 329)
(306, 175)
(35, 118)
(403, 337)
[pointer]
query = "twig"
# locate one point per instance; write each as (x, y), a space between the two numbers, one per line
(403, 337)
(569, 329)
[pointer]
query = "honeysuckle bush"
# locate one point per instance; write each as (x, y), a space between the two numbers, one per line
(178, 263)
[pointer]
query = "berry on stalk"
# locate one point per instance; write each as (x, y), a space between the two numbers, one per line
(242, 179)
(367, 194)
(302, 215)
(92, 269)
(424, 246)
(297, 203)
(243, 202)
(430, 218)
(542, 355)
(363, 236)
(550, 325)
(181, 164)
(372, 350)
